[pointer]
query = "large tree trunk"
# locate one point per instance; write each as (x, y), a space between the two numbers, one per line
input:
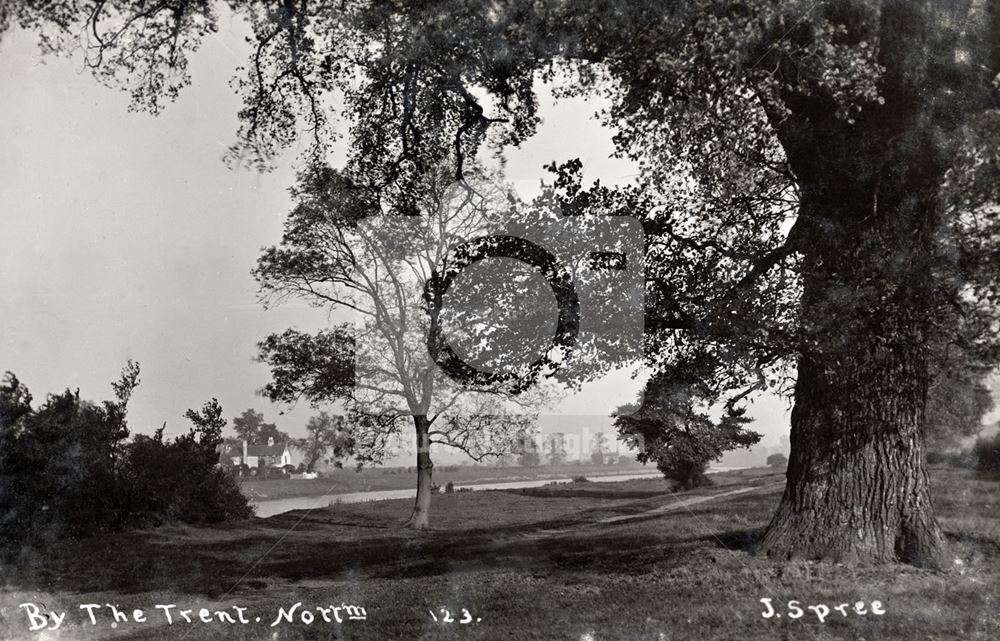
(420, 518)
(857, 489)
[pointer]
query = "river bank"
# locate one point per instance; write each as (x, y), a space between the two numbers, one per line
(377, 479)
(271, 507)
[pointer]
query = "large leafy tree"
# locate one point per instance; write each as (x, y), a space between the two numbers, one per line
(827, 171)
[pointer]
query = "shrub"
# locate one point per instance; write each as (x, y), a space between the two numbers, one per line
(449, 488)
(581, 479)
(57, 466)
(68, 470)
(986, 454)
(672, 426)
(937, 457)
(778, 460)
(171, 481)
(688, 471)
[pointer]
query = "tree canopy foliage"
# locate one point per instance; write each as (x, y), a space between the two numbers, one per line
(251, 427)
(671, 428)
(328, 439)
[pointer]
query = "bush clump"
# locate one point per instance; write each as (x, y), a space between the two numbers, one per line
(985, 454)
(178, 481)
(68, 470)
(777, 461)
(671, 426)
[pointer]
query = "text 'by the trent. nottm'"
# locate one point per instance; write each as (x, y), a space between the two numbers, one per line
(41, 618)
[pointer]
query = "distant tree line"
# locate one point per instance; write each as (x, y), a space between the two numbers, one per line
(69, 470)
(983, 455)
(251, 427)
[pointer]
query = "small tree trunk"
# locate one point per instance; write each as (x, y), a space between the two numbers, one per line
(312, 462)
(420, 518)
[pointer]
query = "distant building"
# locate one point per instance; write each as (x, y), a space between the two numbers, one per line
(270, 455)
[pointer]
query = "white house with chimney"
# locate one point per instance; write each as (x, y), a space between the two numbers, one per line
(270, 455)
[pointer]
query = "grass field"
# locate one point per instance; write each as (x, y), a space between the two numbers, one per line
(547, 563)
(376, 479)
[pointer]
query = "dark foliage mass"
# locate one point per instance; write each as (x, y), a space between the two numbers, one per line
(778, 460)
(669, 428)
(68, 470)
(986, 454)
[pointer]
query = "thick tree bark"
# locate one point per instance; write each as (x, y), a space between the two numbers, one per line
(420, 518)
(857, 489)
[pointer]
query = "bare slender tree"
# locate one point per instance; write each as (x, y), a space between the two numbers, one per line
(339, 251)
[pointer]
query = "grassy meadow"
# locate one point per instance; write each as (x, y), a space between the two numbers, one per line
(579, 561)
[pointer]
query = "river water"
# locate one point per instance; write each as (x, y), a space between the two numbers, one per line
(271, 507)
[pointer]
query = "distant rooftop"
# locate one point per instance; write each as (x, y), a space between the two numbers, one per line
(266, 450)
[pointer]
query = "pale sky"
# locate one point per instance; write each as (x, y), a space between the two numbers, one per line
(125, 236)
